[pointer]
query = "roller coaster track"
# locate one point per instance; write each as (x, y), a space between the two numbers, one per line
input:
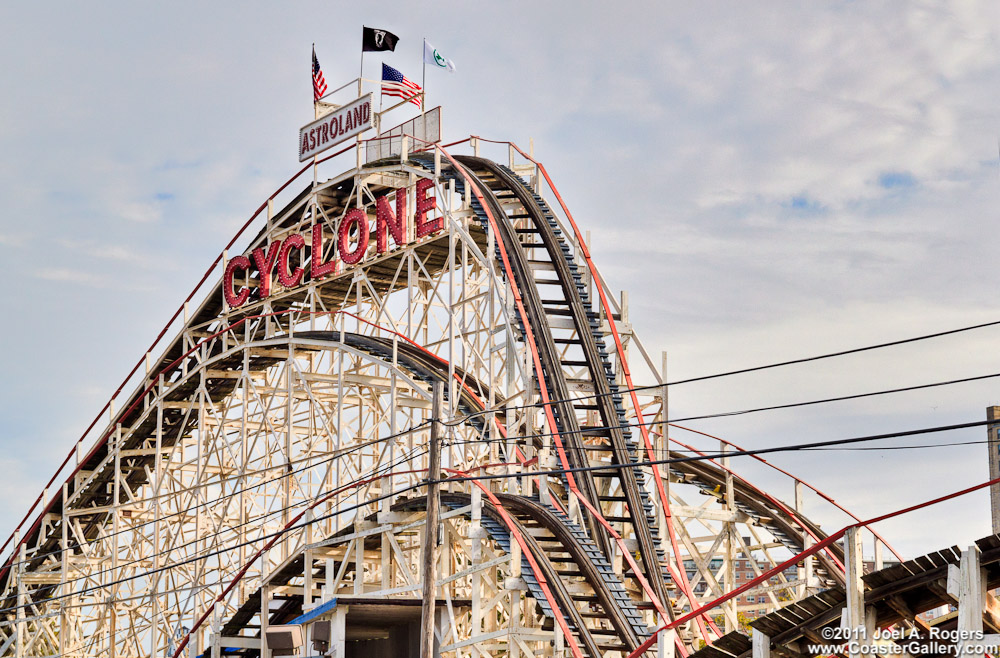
(582, 559)
(574, 525)
(512, 202)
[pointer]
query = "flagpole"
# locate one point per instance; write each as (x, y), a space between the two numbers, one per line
(423, 78)
(315, 114)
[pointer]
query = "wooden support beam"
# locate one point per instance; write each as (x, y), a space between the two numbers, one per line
(855, 620)
(761, 644)
(971, 584)
(429, 558)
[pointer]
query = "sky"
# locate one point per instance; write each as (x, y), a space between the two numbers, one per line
(768, 181)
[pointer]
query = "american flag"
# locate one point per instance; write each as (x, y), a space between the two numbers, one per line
(395, 83)
(319, 83)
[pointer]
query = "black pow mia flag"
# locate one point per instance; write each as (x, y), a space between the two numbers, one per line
(376, 40)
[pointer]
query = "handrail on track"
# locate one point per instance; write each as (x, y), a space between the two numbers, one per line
(822, 495)
(681, 575)
(812, 550)
(608, 313)
(543, 389)
(777, 503)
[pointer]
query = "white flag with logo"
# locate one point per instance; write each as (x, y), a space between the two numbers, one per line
(434, 58)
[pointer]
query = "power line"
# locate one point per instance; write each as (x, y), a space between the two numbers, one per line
(735, 453)
(842, 398)
(830, 355)
(499, 408)
(401, 460)
(590, 429)
(522, 440)
(560, 471)
(662, 451)
(218, 552)
(338, 454)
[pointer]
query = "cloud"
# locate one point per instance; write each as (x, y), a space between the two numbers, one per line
(12, 240)
(65, 275)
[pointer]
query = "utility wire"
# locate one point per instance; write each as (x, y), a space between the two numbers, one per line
(735, 453)
(205, 556)
(600, 428)
(381, 471)
(474, 478)
(522, 439)
(211, 502)
(834, 354)
(499, 408)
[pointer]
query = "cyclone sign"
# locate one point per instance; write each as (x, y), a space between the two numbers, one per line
(278, 259)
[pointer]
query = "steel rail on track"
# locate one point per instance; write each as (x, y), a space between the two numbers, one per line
(425, 365)
(812, 550)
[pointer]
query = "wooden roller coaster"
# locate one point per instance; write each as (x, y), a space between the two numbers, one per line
(268, 468)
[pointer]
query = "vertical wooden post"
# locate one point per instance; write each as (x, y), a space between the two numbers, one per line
(971, 597)
(116, 534)
(761, 645)
(805, 572)
(854, 610)
(328, 577)
(22, 598)
(216, 641)
(729, 579)
(64, 585)
(993, 448)
(430, 534)
(338, 632)
(476, 552)
(307, 564)
(808, 571)
(265, 601)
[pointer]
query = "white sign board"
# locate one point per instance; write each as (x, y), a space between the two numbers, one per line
(336, 127)
(426, 128)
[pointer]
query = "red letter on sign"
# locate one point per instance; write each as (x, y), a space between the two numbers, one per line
(359, 217)
(317, 268)
(386, 223)
(425, 205)
(234, 300)
(290, 280)
(264, 266)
